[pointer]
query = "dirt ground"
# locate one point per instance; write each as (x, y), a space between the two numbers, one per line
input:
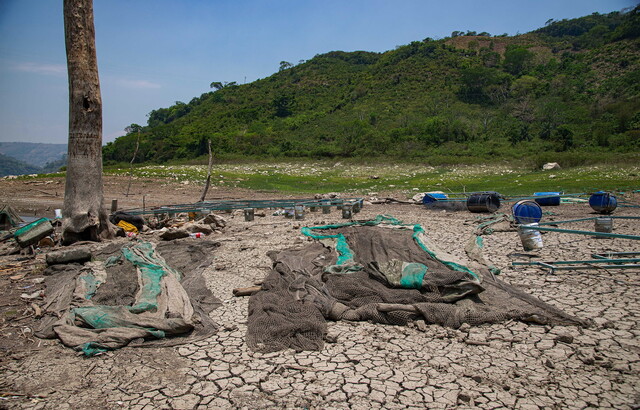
(363, 365)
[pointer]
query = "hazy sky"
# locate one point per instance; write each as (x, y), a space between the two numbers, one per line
(152, 53)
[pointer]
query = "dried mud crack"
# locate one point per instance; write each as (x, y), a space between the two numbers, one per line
(362, 365)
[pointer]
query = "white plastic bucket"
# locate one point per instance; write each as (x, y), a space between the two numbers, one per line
(530, 237)
(346, 212)
(604, 224)
(288, 212)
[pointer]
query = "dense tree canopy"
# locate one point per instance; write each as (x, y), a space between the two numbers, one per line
(571, 85)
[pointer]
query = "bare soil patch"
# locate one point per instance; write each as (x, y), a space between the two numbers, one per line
(362, 364)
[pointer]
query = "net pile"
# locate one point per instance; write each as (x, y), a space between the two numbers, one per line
(137, 294)
(382, 271)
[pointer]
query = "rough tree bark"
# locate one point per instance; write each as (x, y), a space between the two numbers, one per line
(84, 215)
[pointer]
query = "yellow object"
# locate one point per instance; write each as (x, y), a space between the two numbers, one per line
(127, 227)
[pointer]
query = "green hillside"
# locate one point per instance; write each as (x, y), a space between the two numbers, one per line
(569, 90)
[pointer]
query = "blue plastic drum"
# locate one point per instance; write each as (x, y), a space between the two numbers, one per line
(431, 197)
(526, 212)
(603, 202)
(548, 198)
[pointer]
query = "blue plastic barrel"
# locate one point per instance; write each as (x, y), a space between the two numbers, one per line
(431, 197)
(526, 212)
(603, 202)
(550, 198)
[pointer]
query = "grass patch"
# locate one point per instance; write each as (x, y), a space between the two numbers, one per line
(326, 176)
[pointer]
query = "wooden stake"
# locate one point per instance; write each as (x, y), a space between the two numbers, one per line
(246, 291)
(131, 163)
(206, 185)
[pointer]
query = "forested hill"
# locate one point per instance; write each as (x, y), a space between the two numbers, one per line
(572, 85)
(12, 166)
(33, 153)
(19, 158)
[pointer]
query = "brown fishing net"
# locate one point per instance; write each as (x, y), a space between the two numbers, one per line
(137, 294)
(381, 271)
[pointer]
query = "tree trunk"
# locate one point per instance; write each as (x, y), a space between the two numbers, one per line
(83, 212)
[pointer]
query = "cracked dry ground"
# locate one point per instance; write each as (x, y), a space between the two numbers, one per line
(365, 365)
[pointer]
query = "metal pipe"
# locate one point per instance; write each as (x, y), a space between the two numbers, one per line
(548, 266)
(567, 221)
(596, 261)
(596, 267)
(241, 204)
(590, 233)
(519, 198)
(610, 254)
(591, 265)
(586, 219)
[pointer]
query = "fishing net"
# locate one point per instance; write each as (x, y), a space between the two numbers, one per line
(382, 271)
(137, 294)
(9, 218)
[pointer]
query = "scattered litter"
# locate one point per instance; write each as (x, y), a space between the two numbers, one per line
(68, 255)
(35, 295)
(46, 242)
(30, 234)
(36, 309)
(172, 234)
(120, 216)
(127, 227)
(550, 165)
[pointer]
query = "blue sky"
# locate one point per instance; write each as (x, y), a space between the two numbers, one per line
(152, 53)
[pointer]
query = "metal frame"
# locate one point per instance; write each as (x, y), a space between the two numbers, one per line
(541, 227)
(600, 262)
(607, 260)
(243, 204)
